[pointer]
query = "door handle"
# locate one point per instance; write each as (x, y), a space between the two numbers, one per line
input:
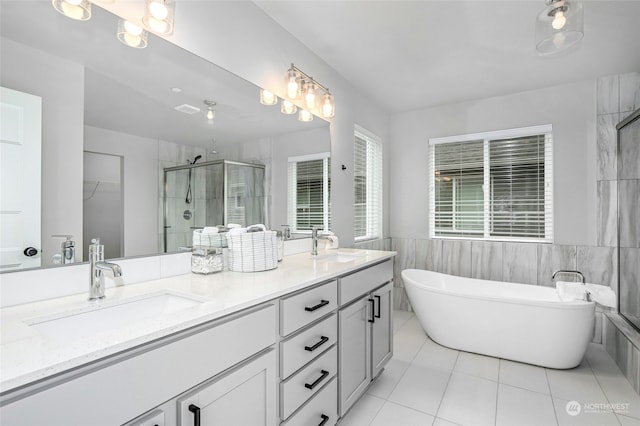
(30, 251)
(318, 306)
(324, 418)
(373, 307)
(379, 303)
(196, 414)
(323, 340)
(324, 374)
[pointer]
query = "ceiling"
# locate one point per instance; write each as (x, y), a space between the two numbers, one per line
(407, 55)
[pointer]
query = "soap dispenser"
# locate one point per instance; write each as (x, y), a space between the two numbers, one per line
(67, 249)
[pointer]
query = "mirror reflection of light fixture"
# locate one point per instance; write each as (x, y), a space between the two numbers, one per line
(314, 96)
(158, 16)
(131, 34)
(267, 97)
(288, 107)
(305, 115)
(559, 26)
(74, 9)
(210, 111)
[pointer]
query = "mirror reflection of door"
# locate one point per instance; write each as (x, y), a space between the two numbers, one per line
(103, 202)
(20, 147)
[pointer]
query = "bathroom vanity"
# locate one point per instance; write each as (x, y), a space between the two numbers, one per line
(297, 345)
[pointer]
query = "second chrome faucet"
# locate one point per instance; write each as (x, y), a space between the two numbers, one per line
(98, 266)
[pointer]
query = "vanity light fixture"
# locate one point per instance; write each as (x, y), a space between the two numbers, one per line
(559, 26)
(305, 115)
(288, 107)
(158, 16)
(267, 97)
(210, 111)
(131, 34)
(74, 9)
(302, 87)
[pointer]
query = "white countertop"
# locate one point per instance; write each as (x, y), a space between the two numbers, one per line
(27, 356)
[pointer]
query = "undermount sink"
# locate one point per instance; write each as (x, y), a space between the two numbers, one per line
(104, 318)
(340, 256)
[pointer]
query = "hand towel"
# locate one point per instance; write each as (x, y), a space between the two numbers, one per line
(568, 291)
(603, 295)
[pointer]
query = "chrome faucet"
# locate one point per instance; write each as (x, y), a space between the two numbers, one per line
(67, 249)
(98, 265)
(314, 240)
(587, 295)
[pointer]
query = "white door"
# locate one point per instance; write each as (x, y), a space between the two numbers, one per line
(20, 140)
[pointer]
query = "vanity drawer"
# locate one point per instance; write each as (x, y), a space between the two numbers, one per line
(365, 280)
(304, 384)
(306, 345)
(303, 308)
(321, 410)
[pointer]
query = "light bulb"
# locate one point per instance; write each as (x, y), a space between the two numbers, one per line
(157, 25)
(328, 108)
(132, 29)
(71, 10)
(210, 114)
(132, 40)
(559, 20)
(310, 96)
(292, 87)
(131, 34)
(305, 115)
(288, 107)
(267, 97)
(158, 10)
(73, 2)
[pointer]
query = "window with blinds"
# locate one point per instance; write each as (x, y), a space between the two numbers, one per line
(309, 186)
(368, 187)
(492, 186)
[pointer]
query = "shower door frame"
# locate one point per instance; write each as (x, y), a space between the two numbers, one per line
(225, 190)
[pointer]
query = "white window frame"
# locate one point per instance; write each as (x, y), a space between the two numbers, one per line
(292, 193)
(486, 137)
(374, 186)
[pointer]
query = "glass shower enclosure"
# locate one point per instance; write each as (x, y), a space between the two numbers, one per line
(212, 193)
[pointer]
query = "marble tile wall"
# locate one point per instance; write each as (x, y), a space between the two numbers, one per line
(622, 343)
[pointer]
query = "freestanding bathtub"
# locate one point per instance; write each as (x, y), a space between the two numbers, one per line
(519, 322)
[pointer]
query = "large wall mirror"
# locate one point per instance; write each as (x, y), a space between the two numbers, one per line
(106, 121)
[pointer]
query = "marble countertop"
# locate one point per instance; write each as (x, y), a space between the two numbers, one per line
(27, 355)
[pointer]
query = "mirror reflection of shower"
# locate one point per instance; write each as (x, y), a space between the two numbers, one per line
(218, 192)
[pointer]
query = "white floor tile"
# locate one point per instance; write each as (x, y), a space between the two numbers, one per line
(388, 379)
(583, 418)
(443, 422)
(400, 318)
(620, 394)
(432, 354)
(522, 407)
(408, 340)
(578, 384)
(421, 388)
(363, 412)
(397, 415)
(628, 421)
(524, 376)
(476, 365)
(469, 400)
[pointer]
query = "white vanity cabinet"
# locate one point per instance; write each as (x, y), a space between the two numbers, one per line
(365, 326)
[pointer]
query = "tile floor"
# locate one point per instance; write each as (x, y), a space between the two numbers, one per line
(428, 384)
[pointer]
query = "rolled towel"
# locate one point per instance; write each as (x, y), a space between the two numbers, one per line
(603, 295)
(233, 225)
(256, 228)
(568, 291)
(237, 231)
(210, 230)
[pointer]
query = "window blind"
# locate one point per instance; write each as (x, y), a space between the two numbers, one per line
(368, 187)
(494, 186)
(308, 192)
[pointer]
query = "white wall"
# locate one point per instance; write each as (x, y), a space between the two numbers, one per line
(571, 111)
(61, 85)
(140, 158)
(241, 38)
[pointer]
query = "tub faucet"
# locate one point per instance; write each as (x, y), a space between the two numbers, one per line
(314, 240)
(98, 265)
(587, 295)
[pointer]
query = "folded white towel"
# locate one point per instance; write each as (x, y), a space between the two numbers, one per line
(568, 291)
(233, 225)
(603, 295)
(259, 227)
(210, 230)
(237, 230)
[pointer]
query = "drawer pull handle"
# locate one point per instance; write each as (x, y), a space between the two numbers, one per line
(324, 418)
(324, 374)
(373, 310)
(379, 303)
(318, 306)
(323, 340)
(196, 414)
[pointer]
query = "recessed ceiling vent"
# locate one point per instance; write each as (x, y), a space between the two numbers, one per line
(187, 109)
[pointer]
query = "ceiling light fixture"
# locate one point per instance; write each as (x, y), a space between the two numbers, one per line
(74, 9)
(210, 111)
(288, 107)
(305, 115)
(267, 97)
(559, 26)
(158, 16)
(131, 34)
(302, 87)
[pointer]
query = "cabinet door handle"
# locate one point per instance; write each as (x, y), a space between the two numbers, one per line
(324, 374)
(324, 418)
(379, 304)
(323, 340)
(196, 414)
(373, 307)
(318, 306)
